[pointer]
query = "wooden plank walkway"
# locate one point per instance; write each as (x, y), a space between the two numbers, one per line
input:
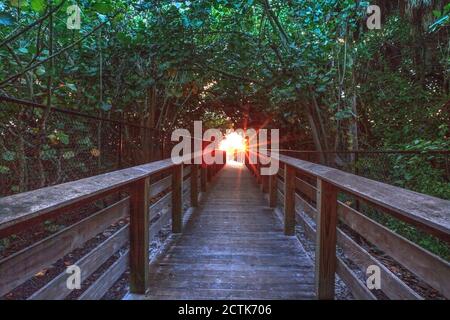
(233, 247)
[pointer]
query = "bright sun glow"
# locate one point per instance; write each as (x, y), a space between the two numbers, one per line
(233, 142)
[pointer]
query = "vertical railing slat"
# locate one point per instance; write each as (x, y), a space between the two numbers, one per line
(194, 185)
(203, 177)
(289, 200)
(265, 181)
(177, 198)
(273, 190)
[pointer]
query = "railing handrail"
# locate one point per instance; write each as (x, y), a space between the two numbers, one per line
(423, 210)
(22, 207)
(413, 152)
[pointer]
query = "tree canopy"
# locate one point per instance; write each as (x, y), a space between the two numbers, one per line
(311, 68)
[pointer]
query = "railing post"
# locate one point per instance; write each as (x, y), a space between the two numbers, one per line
(203, 177)
(194, 185)
(209, 173)
(224, 159)
(265, 182)
(212, 167)
(289, 200)
(326, 240)
(177, 198)
(139, 235)
(356, 172)
(273, 191)
(258, 173)
(120, 146)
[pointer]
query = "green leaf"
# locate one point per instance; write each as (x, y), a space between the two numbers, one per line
(40, 71)
(343, 114)
(102, 7)
(197, 23)
(186, 22)
(64, 138)
(321, 89)
(48, 154)
(68, 155)
(19, 3)
(9, 156)
(102, 17)
(106, 106)
(4, 170)
(71, 86)
(6, 19)
(38, 5)
(124, 38)
(85, 142)
(364, 4)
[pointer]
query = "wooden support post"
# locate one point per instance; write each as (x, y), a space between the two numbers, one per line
(194, 185)
(264, 180)
(289, 200)
(214, 165)
(203, 177)
(326, 223)
(261, 179)
(224, 154)
(258, 173)
(265, 183)
(356, 172)
(139, 235)
(209, 173)
(177, 198)
(273, 191)
(120, 146)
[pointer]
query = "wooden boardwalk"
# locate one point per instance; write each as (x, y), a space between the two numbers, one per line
(233, 247)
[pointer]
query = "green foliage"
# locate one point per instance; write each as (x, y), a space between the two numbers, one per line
(4, 170)
(9, 156)
(6, 19)
(216, 120)
(443, 18)
(38, 5)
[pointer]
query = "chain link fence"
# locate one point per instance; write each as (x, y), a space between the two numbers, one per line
(41, 147)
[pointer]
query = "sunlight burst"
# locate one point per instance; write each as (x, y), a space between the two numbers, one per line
(233, 142)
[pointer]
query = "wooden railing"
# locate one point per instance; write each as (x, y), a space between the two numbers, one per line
(147, 198)
(308, 195)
